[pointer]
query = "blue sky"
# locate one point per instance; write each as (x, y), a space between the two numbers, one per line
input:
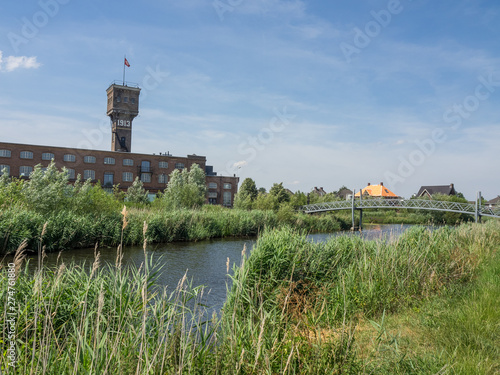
(308, 93)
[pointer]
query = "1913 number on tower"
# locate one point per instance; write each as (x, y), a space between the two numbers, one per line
(123, 123)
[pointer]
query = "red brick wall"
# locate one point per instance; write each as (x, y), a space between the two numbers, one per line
(15, 162)
(221, 188)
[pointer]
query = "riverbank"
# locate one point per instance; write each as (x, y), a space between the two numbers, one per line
(295, 306)
(455, 332)
(67, 229)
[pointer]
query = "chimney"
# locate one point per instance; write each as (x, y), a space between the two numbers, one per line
(381, 184)
(451, 186)
(368, 184)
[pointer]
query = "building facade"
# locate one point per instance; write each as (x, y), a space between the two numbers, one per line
(119, 166)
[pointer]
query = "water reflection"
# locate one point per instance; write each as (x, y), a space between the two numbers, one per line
(369, 232)
(204, 262)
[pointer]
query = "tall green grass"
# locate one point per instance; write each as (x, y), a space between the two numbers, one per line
(305, 300)
(455, 331)
(294, 307)
(374, 275)
(67, 229)
(467, 328)
(106, 320)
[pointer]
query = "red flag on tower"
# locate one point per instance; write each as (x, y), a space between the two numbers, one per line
(126, 62)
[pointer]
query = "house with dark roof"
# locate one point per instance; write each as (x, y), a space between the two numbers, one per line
(321, 192)
(495, 202)
(344, 193)
(429, 191)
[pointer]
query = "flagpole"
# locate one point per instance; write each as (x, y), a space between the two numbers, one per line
(124, 58)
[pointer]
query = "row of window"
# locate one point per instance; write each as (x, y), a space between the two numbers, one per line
(126, 177)
(86, 159)
(89, 173)
(213, 185)
(23, 171)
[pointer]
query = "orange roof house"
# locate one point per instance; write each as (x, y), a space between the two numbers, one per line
(377, 191)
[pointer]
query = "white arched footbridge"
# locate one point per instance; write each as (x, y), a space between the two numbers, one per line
(474, 208)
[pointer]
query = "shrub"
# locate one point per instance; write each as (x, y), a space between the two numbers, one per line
(186, 189)
(47, 190)
(136, 193)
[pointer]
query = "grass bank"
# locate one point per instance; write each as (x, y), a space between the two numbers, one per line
(68, 229)
(456, 331)
(294, 307)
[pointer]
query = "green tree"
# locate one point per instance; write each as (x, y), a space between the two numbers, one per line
(278, 191)
(47, 190)
(136, 193)
(266, 202)
(243, 202)
(248, 188)
(298, 199)
(186, 189)
(118, 193)
(247, 194)
(196, 187)
(312, 198)
(10, 190)
(89, 198)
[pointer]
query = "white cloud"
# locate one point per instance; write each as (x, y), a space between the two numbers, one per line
(10, 63)
(240, 164)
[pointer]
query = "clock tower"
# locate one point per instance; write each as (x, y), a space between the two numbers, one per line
(123, 107)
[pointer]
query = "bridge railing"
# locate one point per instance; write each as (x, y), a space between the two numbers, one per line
(421, 204)
(490, 211)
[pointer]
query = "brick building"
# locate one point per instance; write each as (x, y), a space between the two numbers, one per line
(120, 165)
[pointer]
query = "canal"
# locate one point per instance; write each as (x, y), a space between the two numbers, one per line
(204, 262)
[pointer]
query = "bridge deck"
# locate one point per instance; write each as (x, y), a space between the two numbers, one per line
(418, 204)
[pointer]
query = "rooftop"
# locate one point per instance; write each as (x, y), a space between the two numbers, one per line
(377, 191)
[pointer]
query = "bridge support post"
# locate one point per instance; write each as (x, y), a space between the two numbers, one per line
(352, 210)
(361, 210)
(478, 208)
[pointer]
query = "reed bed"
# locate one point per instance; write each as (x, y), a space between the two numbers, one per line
(67, 229)
(104, 318)
(294, 306)
(355, 275)
(303, 302)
